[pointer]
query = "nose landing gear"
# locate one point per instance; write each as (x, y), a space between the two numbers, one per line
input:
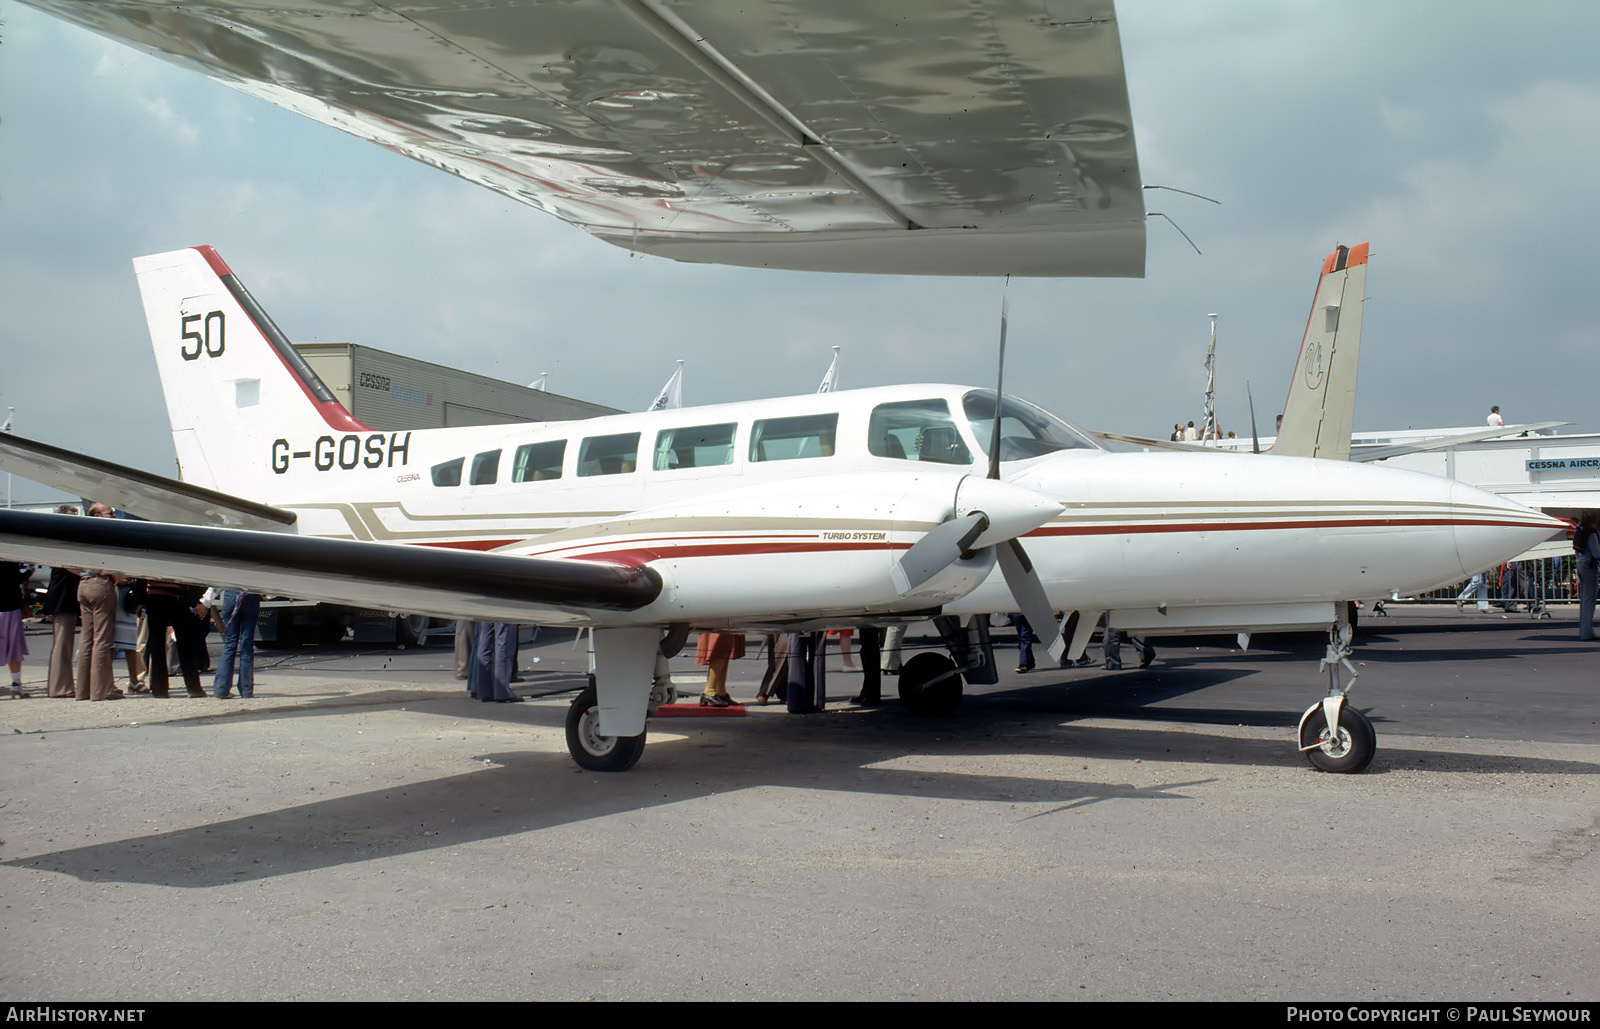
(1334, 736)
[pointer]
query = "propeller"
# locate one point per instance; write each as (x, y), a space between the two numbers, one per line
(1255, 440)
(990, 512)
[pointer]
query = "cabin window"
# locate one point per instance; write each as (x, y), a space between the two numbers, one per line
(485, 468)
(916, 430)
(787, 439)
(536, 462)
(609, 455)
(1025, 430)
(699, 446)
(449, 473)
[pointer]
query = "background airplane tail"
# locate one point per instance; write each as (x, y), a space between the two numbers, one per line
(1320, 410)
(232, 381)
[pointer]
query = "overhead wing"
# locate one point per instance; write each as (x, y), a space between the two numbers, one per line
(140, 493)
(1440, 442)
(422, 580)
(939, 137)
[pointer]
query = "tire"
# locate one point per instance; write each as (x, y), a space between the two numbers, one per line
(1350, 753)
(933, 701)
(411, 630)
(591, 750)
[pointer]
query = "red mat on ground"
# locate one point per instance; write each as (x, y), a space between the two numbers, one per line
(696, 711)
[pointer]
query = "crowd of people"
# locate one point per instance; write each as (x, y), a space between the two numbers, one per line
(96, 616)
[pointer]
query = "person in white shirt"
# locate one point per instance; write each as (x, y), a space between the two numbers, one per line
(1494, 416)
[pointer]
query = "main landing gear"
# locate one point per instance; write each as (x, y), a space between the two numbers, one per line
(930, 685)
(588, 747)
(628, 680)
(1334, 736)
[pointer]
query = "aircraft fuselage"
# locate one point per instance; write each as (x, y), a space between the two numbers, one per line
(819, 495)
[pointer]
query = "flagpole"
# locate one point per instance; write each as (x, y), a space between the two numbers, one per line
(11, 416)
(830, 381)
(1210, 430)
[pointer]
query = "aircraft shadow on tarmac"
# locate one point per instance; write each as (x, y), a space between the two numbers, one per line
(521, 792)
(845, 751)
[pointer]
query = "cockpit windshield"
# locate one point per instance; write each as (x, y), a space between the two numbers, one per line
(1025, 430)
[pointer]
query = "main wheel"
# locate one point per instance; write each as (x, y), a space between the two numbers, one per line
(921, 698)
(591, 750)
(1349, 751)
(410, 631)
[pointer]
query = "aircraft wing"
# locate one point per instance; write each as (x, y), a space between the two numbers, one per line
(1160, 444)
(937, 137)
(419, 580)
(1440, 442)
(139, 493)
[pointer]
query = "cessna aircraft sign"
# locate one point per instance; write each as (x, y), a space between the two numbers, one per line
(1563, 464)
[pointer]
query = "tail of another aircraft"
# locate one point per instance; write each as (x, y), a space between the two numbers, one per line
(232, 381)
(1318, 414)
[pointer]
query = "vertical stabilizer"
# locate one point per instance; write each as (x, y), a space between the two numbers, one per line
(1319, 412)
(232, 381)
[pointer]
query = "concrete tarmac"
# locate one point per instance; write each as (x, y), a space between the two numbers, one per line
(363, 830)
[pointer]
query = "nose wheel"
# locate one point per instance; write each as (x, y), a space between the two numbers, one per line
(1347, 750)
(1334, 736)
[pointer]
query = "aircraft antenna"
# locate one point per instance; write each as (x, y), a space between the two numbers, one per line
(1185, 192)
(1185, 235)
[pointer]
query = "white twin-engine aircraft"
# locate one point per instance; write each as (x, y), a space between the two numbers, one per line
(859, 507)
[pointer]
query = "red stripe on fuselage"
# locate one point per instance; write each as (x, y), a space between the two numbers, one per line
(642, 551)
(1374, 521)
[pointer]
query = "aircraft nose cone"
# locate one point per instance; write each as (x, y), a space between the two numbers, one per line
(1490, 529)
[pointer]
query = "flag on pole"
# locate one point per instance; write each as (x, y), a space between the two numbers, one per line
(1210, 430)
(831, 380)
(671, 394)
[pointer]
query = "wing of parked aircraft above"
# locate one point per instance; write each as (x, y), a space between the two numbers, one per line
(420, 580)
(938, 137)
(140, 493)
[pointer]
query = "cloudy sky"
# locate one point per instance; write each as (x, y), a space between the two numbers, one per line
(1460, 138)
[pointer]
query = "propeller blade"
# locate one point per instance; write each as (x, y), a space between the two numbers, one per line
(943, 545)
(1255, 441)
(999, 394)
(1028, 592)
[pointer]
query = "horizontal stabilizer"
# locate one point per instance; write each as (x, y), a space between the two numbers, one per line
(139, 493)
(420, 580)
